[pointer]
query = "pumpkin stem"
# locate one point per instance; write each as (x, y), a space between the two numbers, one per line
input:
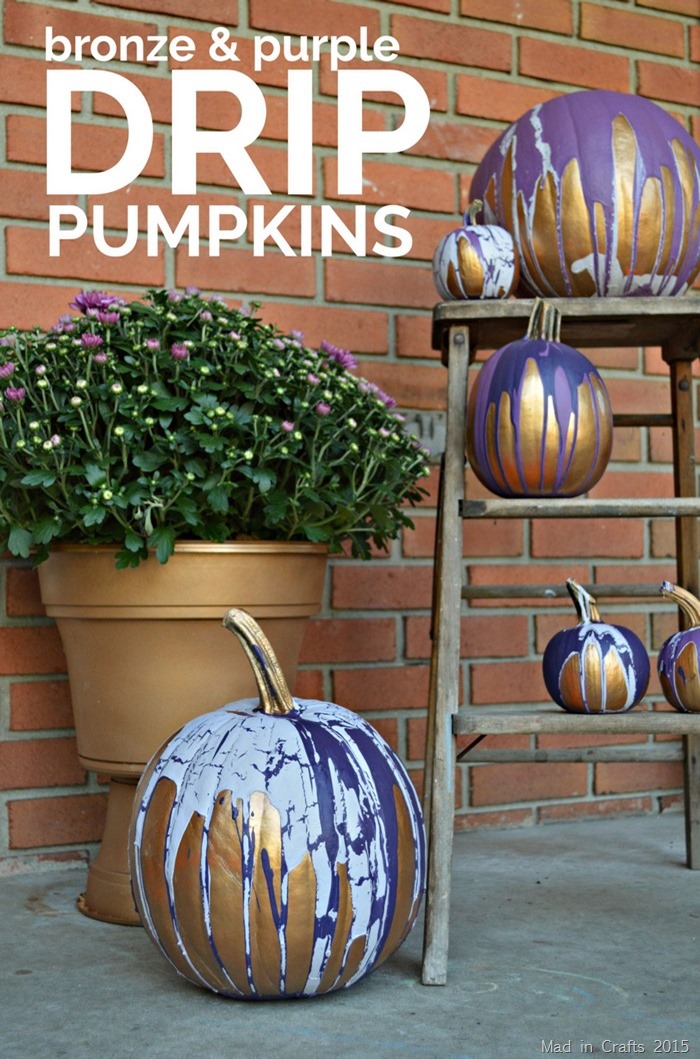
(544, 322)
(275, 696)
(586, 606)
(689, 604)
(473, 209)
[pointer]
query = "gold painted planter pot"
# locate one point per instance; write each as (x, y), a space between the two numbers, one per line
(146, 652)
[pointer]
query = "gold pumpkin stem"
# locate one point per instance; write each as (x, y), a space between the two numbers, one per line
(473, 209)
(275, 697)
(689, 604)
(544, 322)
(586, 606)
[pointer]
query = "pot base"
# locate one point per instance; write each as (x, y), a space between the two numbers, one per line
(108, 895)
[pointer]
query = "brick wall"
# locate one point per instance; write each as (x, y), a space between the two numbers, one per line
(482, 63)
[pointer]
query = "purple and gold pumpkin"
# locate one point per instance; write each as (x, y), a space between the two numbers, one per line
(539, 421)
(601, 192)
(277, 846)
(594, 667)
(476, 261)
(677, 664)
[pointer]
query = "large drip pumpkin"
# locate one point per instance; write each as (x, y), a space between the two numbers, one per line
(601, 192)
(594, 667)
(277, 846)
(475, 261)
(677, 664)
(539, 421)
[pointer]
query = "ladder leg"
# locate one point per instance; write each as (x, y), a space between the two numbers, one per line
(440, 757)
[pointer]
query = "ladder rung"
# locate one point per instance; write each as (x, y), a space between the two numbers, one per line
(640, 419)
(670, 507)
(600, 591)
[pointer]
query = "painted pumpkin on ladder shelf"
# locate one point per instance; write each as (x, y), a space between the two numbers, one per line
(277, 846)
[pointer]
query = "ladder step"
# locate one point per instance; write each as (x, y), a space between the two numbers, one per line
(600, 591)
(630, 752)
(672, 507)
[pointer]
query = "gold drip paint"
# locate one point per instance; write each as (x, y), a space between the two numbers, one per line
(155, 884)
(471, 269)
(343, 925)
(665, 265)
(624, 146)
(585, 447)
(265, 829)
(687, 179)
(575, 235)
(301, 921)
(649, 230)
(544, 236)
(353, 961)
(452, 281)
(490, 445)
(405, 906)
(189, 909)
(570, 684)
(528, 256)
(531, 439)
(592, 677)
(616, 689)
(507, 445)
(552, 444)
(507, 188)
(225, 862)
(667, 688)
(688, 662)
(601, 235)
(605, 426)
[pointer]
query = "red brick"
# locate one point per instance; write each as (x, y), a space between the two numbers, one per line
(172, 206)
(31, 649)
(388, 183)
(680, 7)
(634, 483)
(631, 30)
(627, 445)
(388, 729)
(507, 682)
(379, 283)
(209, 10)
(26, 763)
(360, 330)
(583, 67)
(40, 704)
(558, 538)
(525, 574)
(671, 803)
(490, 97)
(674, 84)
(480, 637)
(625, 358)
(24, 81)
(309, 684)
(94, 147)
(503, 819)
(364, 587)
(56, 821)
(496, 784)
(596, 808)
(443, 6)
(483, 538)
(156, 89)
(555, 15)
(616, 777)
(412, 386)
(639, 395)
(695, 43)
(29, 304)
(454, 141)
(23, 195)
(413, 333)
(426, 233)
(463, 45)
(555, 741)
(238, 270)
(661, 445)
(433, 82)
(663, 539)
(306, 16)
(382, 687)
(349, 640)
(635, 573)
(22, 592)
(416, 742)
(28, 254)
(26, 24)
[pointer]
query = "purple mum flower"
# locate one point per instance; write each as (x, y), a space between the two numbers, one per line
(323, 409)
(343, 357)
(15, 394)
(7, 340)
(90, 341)
(108, 318)
(6, 370)
(179, 352)
(313, 379)
(287, 426)
(94, 299)
(153, 344)
(100, 358)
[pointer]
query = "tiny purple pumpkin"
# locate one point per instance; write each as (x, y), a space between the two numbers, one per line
(476, 261)
(594, 667)
(677, 663)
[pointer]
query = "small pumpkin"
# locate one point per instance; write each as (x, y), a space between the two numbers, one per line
(476, 261)
(601, 192)
(539, 420)
(677, 663)
(277, 846)
(594, 667)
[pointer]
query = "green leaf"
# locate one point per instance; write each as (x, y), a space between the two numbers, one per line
(19, 542)
(263, 479)
(94, 516)
(315, 533)
(45, 530)
(149, 461)
(218, 500)
(163, 540)
(132, 541)
(94, 474)
(35, 478)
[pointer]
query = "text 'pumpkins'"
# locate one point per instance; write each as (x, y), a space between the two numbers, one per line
(277, 846)
(539, 420)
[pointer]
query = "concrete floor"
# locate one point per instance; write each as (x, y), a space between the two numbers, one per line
(585, 932)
